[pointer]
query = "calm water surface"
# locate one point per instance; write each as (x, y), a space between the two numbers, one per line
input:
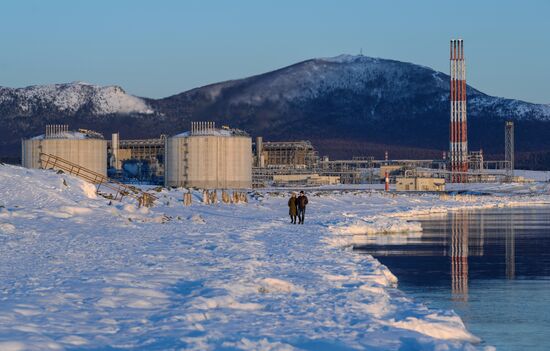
(492, 267)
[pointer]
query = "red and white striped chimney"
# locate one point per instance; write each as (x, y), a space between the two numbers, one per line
(458, 129)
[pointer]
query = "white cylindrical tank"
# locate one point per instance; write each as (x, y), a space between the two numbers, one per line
(209, 159)
(86, 150)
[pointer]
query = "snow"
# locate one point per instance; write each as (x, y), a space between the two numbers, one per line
(80, 271)
(212, 131)
(343, 58)
(72, 97)
(313, 78)
(508, 107)
(382, 225)
(390, 80)
(438, 326)
(272, 285)
(12, 346)
(65, 135)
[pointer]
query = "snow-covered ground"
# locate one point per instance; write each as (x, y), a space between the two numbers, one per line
(77, 271)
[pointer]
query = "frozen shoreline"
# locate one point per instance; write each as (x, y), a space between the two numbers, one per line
(78, 273)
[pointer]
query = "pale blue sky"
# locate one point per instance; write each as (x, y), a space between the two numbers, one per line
(160, 48)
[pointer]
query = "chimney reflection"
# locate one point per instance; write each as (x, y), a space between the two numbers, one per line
(510, 248)
(459, 255)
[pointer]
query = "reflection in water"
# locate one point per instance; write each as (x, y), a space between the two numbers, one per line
(459, 255)
(491, 266)
(461, 248)
(510, 249)
(460, 237)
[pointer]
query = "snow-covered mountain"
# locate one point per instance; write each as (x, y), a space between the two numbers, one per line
(357, 74)
(71, 98)
(347, 105)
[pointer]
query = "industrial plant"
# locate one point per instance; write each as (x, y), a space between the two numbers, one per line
(136, 160)
(83, 147)
(211, 158)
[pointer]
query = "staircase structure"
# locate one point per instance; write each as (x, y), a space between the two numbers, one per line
(120, 190)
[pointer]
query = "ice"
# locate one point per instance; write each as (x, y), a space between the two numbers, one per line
(437, 326)
(382, 225)
(78, 272)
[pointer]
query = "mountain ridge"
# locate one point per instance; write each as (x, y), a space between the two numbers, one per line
(72, 96)
(360, 99)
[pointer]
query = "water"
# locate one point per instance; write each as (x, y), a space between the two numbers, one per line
(491, 266)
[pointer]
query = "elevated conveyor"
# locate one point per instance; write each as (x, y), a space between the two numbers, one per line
(121, 190)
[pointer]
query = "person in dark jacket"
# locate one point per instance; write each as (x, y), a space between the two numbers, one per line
(301, 202)
(292, 208)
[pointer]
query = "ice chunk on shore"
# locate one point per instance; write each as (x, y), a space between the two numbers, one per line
(378, 226)
(438, 326)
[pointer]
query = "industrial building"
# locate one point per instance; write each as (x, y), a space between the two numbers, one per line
(294, 154)
(289, 160)
(217, 158)
(209, 158)
(284, 160)
(419, 184)
(307, 179)
(137, 159)
(85, 148)
(297, 162)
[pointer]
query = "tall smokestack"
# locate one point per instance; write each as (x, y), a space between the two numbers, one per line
(458, 150)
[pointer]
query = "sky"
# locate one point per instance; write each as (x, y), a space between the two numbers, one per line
(160, 48)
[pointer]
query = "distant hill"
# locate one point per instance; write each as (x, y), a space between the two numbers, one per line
(347, 105)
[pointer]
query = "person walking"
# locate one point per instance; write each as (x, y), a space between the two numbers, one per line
(302, 202)
(292, 208)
